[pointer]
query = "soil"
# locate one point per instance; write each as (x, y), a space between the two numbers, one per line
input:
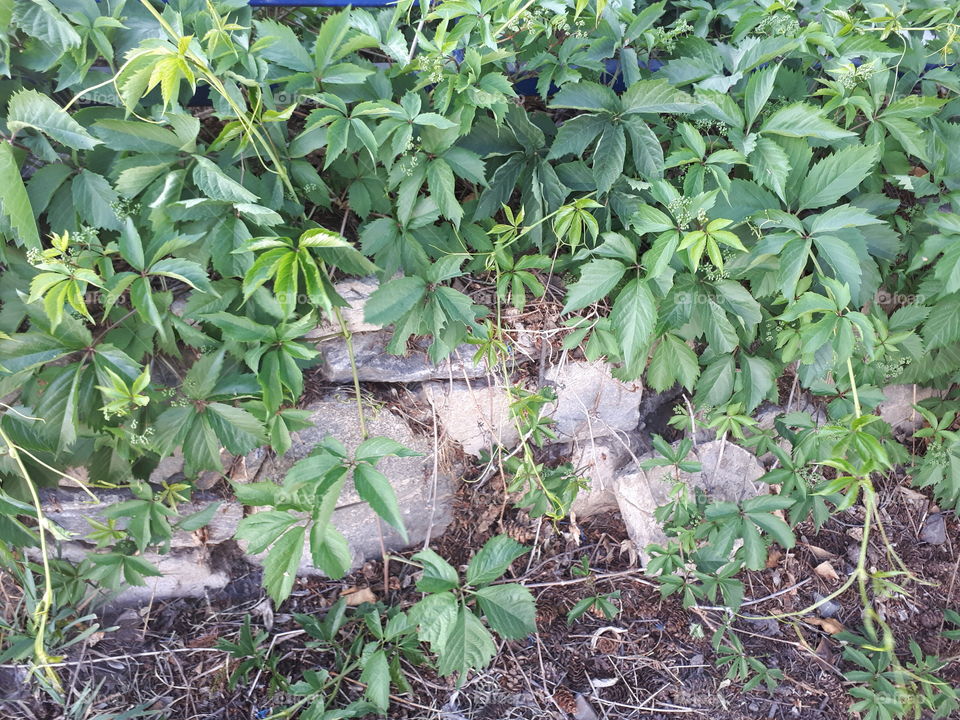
(653, 660)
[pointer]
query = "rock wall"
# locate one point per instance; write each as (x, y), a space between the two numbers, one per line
(601, 424)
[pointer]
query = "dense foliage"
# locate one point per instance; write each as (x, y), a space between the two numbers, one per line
(730, 191)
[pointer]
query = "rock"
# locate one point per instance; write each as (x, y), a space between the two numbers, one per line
(934, 529)
(640, 492)
(425, 508)
(897, 410)
(375, 364)
(591, 402)
(355, 291)
(189, 567)
(826, 608)
(475, 416)
(72, 509)
(598, 461)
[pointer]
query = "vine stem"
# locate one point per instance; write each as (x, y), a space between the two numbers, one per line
(42, 612)
(853, 385)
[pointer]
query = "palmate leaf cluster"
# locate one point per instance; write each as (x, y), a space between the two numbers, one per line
(720, 191)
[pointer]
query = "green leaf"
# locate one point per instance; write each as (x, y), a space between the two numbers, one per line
(771, 166)
(775, 527)
(374, 449)
(803, 120)
(759, 87)
(634, 316)
(468, 645)
(758, 380)
(240, 328)
(282, 563)
(216, 185)
(608, 158)
(278, 43)
(330, 550)
(510, 609)
(440, 180)
(391, 301)
(672, 361)
(597, 278)
(199, 519)
(261, 529)
(238, 430)
(435, 615)
(943, 325)
(94, 198)
(493, 559)
(657, 96)
(647, 151)
(376, 676)
(30, 109)
(14, 201)
(438, 575)
(374, 488)
(586, 96)
(836, 175)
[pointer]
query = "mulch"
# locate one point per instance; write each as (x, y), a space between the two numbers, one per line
(654, 660)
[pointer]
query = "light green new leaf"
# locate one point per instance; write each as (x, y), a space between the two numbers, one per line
(836, 175)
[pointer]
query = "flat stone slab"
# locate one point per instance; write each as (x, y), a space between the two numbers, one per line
(591, 402)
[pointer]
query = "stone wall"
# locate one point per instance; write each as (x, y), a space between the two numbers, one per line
(602, 424)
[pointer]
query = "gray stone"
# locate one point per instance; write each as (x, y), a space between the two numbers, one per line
(591, 402)
(898, 411)
(477, 417)
(934, 529)
(424, 498)
(375, 364)
(186, 567)
(598, 461)
(639, 492)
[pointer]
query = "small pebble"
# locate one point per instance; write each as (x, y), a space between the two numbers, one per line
(934, 529)
(828, 609)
